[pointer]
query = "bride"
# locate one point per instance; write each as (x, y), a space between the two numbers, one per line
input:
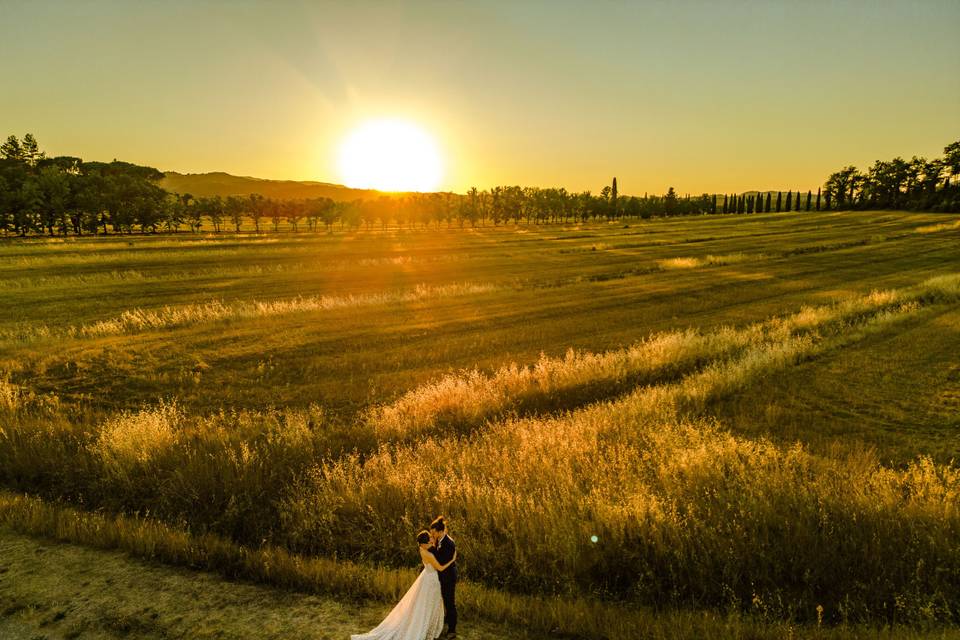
(419, 614)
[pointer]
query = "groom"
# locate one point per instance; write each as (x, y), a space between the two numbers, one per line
(444, 549)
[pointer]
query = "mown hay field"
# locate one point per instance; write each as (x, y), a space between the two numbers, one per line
(750, 414)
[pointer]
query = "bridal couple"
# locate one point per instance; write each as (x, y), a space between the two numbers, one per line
(430, 602)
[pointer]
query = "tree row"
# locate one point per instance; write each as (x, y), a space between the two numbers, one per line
(65, 195)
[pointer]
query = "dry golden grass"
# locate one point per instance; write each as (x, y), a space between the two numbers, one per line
(529, 457)
(694, 262)
(172, 316)
(94, 591)
(684, 511)
(464, 401)
(681, 506)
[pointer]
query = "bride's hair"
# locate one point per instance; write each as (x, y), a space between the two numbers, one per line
(423, 537)
(438, 524)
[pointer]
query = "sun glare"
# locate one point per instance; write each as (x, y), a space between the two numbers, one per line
(390, 155)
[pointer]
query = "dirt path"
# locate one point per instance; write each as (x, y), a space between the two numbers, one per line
(59, 591)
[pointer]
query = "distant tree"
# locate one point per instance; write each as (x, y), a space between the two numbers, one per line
(192, 212)
(670, 202)
(951, 159)
(797, 203)
(28, 214)
(789, 206)
(766, 208)
(55, 193)
(713, 204)
(330, 212)
(214, 209)
(840, 186)
(293, 212)
(256, 206)
(809, 198)
(483, 205)
(6, 221)
(614, 209)
(275, 209)
(604, 197)
(175, 215)
(31, 150)
(235, 207)
(12, 149)
(725, 198)
(779, 200)
(818, 198)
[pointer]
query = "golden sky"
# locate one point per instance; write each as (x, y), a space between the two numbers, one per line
(703, 96)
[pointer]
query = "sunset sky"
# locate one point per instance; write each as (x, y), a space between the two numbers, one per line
(712, 96)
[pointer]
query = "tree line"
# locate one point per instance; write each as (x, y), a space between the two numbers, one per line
(918, 184)
(65, 195)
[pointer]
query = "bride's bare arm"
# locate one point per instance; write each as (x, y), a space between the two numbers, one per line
(430, 559)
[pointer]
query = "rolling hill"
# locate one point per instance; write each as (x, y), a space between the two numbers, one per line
(219, 183)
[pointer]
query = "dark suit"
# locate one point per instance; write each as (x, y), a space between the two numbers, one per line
(448, 580)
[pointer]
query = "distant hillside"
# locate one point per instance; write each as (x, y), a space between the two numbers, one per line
(224, 184)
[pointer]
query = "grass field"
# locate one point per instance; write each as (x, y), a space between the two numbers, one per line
(754, 414)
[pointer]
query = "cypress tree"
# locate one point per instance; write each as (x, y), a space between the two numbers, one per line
(818, 198)
(743, 204)
(725, 198)
(766, 209)
(789, 201)
(713, 204)
(797, 203)
(809, 198)
(779, 200)
(613, 197)
(827, 207)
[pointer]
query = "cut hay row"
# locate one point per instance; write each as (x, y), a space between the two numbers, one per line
(171, 316)
(461, 402)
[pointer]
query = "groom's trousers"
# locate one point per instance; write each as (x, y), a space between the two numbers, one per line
(448, 591)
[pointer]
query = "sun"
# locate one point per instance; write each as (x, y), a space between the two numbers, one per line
(390, 155)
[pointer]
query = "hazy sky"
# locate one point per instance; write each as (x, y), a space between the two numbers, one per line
(711, 96)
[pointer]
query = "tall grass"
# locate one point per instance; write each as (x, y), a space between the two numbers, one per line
(224, 472)
(581, 617)
(464, 401)
(684, 513)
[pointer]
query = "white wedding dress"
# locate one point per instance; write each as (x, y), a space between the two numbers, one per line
(418, 615)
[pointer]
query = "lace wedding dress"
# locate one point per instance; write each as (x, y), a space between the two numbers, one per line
(418, 615)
